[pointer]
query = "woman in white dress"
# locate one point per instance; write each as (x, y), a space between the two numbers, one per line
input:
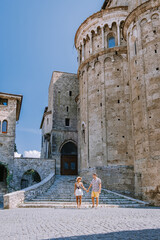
(78, 191)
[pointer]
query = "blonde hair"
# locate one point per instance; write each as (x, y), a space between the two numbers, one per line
(78, 178)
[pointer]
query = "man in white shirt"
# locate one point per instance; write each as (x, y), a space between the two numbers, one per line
(96, 189)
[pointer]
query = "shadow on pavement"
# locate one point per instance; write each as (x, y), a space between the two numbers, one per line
(148, 234)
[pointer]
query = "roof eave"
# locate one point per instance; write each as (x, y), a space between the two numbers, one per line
(19, 106)
(19, 99)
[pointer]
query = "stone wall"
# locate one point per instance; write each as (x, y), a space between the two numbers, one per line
(105, 132)
(15, 199)
(7, 140)
(119, 178)
(119, 127)
(19, 166)
(134, 4)
(142, 30)
(63, 91)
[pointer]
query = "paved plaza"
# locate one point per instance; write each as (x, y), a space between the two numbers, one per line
(110, 224)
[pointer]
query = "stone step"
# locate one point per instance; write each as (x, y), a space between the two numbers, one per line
(73, 198)
(61, 195)
(109, 202)
(84, 197)
(69, 205)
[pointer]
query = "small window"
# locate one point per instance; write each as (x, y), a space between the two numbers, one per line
(3, 102)
(47, 121)
(42, 141)
(111, 42)
(0, 126)
(135, 48)
(67, 109)
(4, 126)
(67, 122)
(70, 93)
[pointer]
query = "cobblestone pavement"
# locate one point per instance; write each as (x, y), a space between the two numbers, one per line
(87, 224)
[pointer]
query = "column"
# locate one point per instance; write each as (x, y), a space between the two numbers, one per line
(118, 34)
(91, 44)
(103, 42)
(79, 60)
(83, 52)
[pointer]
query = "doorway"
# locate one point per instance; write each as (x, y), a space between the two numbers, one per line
(69, 160)
(3, 174)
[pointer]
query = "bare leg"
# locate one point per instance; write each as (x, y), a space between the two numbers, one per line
(80, 201)
(97, 201)
(77, 201)
(92, 201)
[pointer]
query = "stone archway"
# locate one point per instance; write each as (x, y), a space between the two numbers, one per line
(30, 178)
(69, 159)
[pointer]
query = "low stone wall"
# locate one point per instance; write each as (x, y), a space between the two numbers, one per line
(19, 166)
(116, 178)
(15, 199)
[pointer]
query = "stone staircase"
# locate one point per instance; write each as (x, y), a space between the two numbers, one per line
(61, 195)
(3, 191)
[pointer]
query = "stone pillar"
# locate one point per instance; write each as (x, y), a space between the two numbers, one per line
(79, 60)
(91, 44)
(83, 52)
(103, 42)
(118, 34)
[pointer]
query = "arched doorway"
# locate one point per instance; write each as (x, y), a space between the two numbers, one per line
(30, 178)
(69, 163)
(3, 181)
(3, 174)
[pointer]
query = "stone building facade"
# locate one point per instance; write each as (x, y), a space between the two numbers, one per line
(59, 123)
(10, 107)
(142, 32)
(22, 172)
(119, 99)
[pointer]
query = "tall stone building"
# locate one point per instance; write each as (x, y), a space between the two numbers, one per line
(10, 107)
(59, 123)
(105, 129)
(117, 97)
(119, 101)
(142, 33)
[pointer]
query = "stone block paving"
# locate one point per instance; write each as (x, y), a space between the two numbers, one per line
(87, 224)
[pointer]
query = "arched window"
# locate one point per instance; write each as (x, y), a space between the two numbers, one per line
(4, 126)
(111, 42)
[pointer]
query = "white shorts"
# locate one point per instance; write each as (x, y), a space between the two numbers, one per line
(79, 192)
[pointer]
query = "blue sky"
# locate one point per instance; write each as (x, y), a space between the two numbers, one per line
(36, 38)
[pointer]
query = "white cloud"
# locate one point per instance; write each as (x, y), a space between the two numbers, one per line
(17, 155)
(32, 154)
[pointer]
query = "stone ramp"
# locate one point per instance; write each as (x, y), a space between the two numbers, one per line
(61, 195)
